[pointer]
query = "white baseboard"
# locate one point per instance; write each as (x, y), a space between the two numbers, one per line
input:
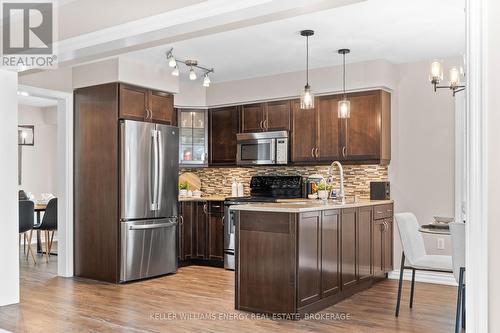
(425, 276)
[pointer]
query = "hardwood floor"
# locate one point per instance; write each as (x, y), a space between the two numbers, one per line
(54, 304)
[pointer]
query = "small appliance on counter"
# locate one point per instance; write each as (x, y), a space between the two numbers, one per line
(262, 189)
(380, 190)
(310, 187)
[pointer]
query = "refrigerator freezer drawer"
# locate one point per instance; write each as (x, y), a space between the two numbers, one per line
(148, 248)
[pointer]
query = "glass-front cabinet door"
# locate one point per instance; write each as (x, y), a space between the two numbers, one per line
(193, 127)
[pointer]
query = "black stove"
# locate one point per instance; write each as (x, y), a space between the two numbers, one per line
(262, 189)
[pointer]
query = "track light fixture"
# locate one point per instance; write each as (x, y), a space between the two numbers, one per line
(193, 66)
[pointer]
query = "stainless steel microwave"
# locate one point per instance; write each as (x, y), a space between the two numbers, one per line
(263, 148)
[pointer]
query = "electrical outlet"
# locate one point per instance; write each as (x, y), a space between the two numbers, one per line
(440, 243)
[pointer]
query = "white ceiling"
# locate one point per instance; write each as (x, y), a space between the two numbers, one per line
(396, 30)
(38, 102)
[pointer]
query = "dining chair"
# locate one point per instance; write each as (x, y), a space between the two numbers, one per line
(48, 224)
(414, 255)
(26, 223)
(457, 231)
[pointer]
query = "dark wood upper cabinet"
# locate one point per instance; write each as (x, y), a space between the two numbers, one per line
(349, 251)
(162, 107)
(264, 117)
(142, 104)
(309, 271)
(319, 136)
(328, 129)
(277, 116)
(330, 251)
(303, 137)
(364, 136)
(133, 102)
(223, 127)
(252, 118)
(364, 239)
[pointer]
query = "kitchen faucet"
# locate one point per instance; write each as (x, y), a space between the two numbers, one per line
(341, 194)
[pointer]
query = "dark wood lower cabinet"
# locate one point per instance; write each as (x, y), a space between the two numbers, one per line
(201, 232)
(330, 249)
(309, 256)
(364, 243)
(349, 276)
(304, 262)
(382, 240)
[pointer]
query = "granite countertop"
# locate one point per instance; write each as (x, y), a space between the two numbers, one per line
(203, 198)
(305, 206)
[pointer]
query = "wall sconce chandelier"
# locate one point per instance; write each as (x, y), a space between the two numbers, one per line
(436, 77)
(193, 66)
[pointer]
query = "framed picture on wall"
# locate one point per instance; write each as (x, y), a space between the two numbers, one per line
(26, 135)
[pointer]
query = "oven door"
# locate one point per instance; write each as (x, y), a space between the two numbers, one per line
(256, 152)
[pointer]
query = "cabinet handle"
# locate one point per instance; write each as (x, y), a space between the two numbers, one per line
(205, 209)
(265, 124)
(312, 152)
(344, 151)
(261, 125)
(316, 152)
(181, 219)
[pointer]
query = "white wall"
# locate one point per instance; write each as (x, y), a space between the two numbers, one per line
(60, 79)
(493, 168)
(9, 253)
(363, 75)
(192, 94)
(422, 166)
(39, 162)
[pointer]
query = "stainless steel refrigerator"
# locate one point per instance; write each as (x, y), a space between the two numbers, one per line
(149, 172)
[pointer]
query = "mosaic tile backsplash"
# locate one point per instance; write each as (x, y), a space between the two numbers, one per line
(217, 181)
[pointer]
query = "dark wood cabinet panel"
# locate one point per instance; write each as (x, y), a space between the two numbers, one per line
(388, 245)
(328, 128)
(304, 128)
(378, 251)
(364, 240)
(361, 133)
(348, 244)
(223, 127)
(162, 107)
(252, 118)
(133, 102)
(215, 236)
(309, 256)
(200, 232)
(96, 182)
(277, 116)
(330, 261)
(186, 230)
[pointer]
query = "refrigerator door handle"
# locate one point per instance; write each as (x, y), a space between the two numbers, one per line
(161, 170)
(154, 203)
(152, 226)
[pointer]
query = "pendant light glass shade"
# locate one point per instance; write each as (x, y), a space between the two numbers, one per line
(344, 109)
(206, 80)
(171, 61)
(307, 98)
(175, 72)
(436, 74)
(344, 105)
(192, 74)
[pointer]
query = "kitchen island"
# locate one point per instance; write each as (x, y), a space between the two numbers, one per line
(301, 257)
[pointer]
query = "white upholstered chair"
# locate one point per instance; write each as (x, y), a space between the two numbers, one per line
(414, 255)
(457, 231)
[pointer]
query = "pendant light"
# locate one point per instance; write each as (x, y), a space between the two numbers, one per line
(344, 106)
(307, 97)
(192, 74)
